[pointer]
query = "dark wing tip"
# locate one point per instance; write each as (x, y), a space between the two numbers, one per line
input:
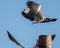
(7, 31)
(8, 34)
(53, 36)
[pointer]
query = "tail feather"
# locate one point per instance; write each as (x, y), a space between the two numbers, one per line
(49, 20)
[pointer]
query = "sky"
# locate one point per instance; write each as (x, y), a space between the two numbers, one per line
(23, 30)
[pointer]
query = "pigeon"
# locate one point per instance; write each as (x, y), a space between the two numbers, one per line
(34, 13)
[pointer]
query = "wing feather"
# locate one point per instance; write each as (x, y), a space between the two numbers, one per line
(13, 39)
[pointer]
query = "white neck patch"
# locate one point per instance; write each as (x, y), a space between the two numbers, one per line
(39, 8)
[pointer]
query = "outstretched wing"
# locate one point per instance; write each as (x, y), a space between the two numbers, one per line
(13, 39)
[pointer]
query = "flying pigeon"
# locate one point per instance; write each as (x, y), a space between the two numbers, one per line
(34, 13)
(14, 40)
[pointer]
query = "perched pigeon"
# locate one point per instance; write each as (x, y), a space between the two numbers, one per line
(34, 13)
(13, 39)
